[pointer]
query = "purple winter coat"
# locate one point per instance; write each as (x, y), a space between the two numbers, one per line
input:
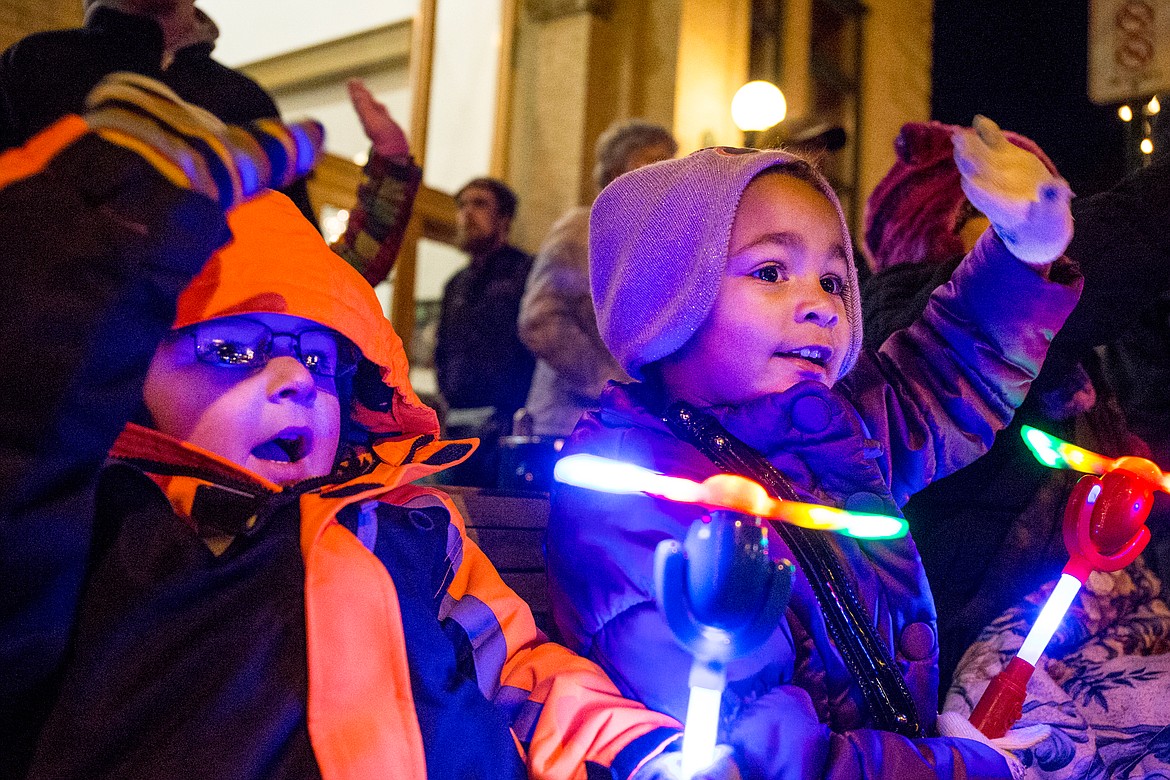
(925, 404)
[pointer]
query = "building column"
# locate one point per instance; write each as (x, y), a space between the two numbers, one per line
(577, 66)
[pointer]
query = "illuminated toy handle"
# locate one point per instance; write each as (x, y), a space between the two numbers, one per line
(1002, 703)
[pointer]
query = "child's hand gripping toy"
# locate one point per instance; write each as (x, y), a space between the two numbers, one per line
(1104, 530)
(719, 590)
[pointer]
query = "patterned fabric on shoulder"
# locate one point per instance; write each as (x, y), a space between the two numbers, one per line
(1102, 685)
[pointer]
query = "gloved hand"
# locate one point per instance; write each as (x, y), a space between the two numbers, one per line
(952, 724)
(668, 766)
(193, 148)
(1027, 204)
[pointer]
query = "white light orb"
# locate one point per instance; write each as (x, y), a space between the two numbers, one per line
(758, 105)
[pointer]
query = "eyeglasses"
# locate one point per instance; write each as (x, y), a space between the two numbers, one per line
(235, 342)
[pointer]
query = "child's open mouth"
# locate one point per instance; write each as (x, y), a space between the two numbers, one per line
(818, 356)
(288, 446)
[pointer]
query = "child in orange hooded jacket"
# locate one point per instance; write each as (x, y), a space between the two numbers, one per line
(249, 586)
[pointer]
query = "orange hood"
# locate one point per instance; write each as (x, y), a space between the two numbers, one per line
(278, 263)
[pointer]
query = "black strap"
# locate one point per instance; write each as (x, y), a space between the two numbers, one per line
(850, 627)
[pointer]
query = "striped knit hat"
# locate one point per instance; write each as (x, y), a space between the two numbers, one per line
(658, 241)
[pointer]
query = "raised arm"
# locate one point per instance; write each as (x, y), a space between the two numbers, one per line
(390, 182)
(936, 392)
(105, 220)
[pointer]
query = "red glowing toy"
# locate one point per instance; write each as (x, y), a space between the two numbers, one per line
(1104, 530)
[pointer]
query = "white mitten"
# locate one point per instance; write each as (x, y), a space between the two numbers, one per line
(1027, 205)
(952, 724)
(668, 766)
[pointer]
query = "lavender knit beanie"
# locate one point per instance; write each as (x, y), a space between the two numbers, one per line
(658, 241)
(913, 214)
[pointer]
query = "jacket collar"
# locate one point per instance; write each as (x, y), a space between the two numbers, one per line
(769, 423)
(113, 22)
(214, 496)
(810, 432)
(217, 497)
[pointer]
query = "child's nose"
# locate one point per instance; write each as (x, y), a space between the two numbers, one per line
(288, 378)
(818, 307)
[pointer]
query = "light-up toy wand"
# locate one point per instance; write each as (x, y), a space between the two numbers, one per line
(1104, 530)
(722, 491)
(719, 590)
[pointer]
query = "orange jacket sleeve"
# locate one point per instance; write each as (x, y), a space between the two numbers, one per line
(563, 709)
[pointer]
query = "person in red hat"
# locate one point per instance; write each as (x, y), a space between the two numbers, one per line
(990, 533)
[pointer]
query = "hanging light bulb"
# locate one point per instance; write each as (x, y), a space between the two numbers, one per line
(1153, 106)
(758, 105)
(1126, 113)
(1147, 146)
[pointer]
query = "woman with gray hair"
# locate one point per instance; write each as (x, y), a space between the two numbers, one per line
(556, 315)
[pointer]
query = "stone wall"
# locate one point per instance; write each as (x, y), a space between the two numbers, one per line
(578, 65)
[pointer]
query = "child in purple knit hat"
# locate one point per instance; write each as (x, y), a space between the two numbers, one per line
(724, 285)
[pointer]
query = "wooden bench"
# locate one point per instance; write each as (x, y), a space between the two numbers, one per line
(510, 527)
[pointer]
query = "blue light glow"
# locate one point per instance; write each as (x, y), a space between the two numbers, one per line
(305, 154)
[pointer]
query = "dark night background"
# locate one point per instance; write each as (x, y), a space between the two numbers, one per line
(1023, 63)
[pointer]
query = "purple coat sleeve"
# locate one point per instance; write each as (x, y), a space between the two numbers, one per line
(935, 393)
